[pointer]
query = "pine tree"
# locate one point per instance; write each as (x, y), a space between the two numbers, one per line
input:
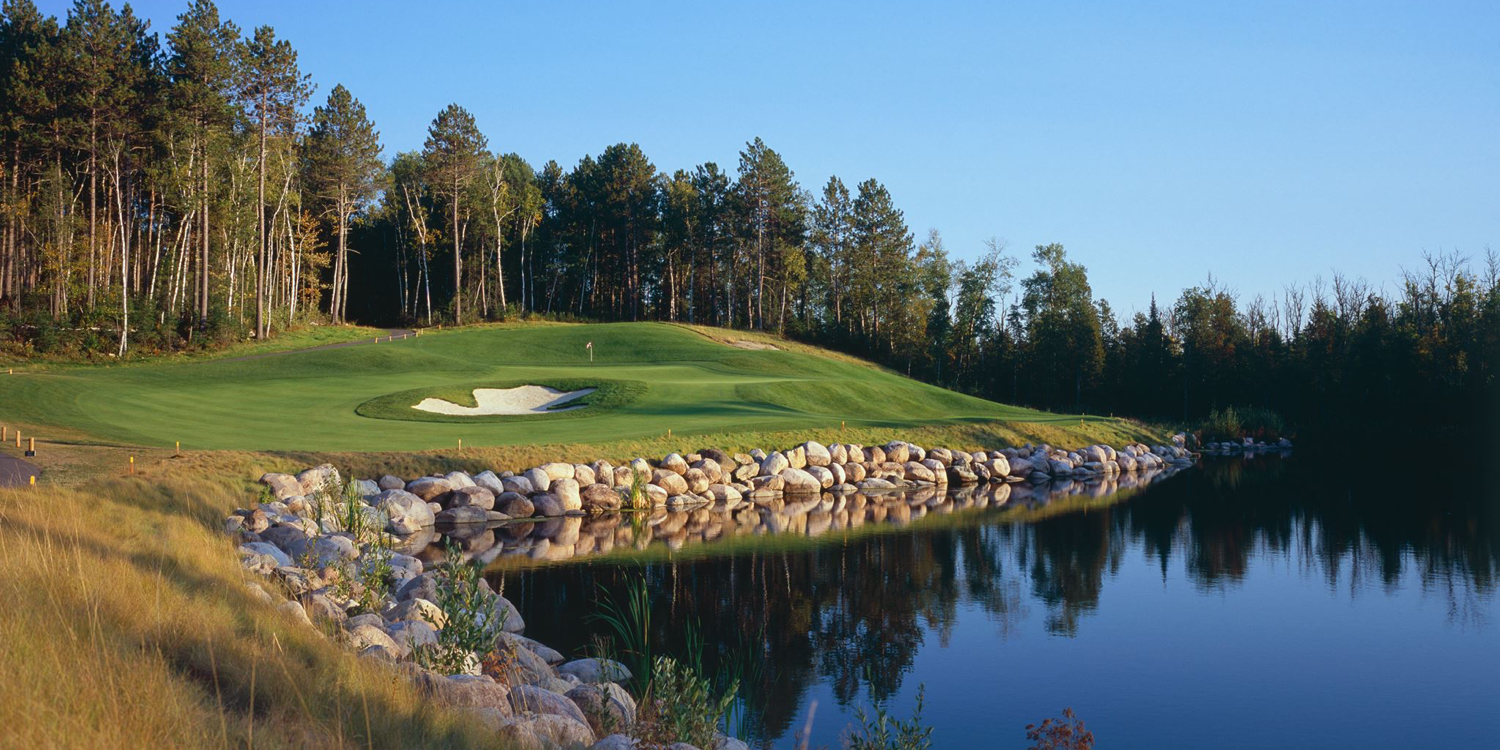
(272, 91)
(341, 166)
(454, 145)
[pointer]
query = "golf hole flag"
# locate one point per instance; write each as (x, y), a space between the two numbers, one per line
(590, 346)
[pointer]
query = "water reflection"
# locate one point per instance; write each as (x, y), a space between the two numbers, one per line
(840, 595)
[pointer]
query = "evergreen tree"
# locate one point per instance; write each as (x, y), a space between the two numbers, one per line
(341, 165)
(454, 145)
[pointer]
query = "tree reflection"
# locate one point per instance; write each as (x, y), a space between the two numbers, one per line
(852, 611)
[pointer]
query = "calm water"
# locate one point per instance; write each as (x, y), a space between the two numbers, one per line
(1237, 604)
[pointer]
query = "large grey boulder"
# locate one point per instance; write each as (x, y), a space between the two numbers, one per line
(319, 479)
(288, 538)
(515, 505)
(540, 480)
(774, 464)
(459, 479)
(281, 558)
(429, 489)
(532, 699)
(545, 731)
(405, 512)
(599, 498)
(595, 670)
(670, 481)
(799, 481)
(490, 481)
(476, 496)
(334, 550)
(604, 712)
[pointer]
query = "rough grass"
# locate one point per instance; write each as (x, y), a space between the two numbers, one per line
(307, 400)
(127, 624)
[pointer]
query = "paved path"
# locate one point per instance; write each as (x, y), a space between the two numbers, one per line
(399, 333)
(16, 473)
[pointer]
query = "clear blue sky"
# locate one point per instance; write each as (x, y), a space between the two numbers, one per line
(1262, 142)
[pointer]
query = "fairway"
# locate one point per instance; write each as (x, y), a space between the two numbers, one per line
(656, 376)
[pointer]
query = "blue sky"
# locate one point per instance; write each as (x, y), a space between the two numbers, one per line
(1261, 142)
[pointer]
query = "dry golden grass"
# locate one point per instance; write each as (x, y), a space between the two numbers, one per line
(127, 624)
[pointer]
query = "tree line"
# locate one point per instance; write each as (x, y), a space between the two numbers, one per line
(175, 191)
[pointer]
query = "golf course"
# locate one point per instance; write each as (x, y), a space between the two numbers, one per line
(643, 380)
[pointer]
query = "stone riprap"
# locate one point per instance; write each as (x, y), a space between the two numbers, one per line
(312, 536)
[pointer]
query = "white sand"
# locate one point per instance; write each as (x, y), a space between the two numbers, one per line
(526, 399)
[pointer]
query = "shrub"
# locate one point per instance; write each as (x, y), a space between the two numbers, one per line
(681, 706)
(881, 732)
(1066, 733)
(473, 624)
(1230, 423)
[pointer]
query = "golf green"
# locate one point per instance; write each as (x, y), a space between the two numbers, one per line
(660, 377)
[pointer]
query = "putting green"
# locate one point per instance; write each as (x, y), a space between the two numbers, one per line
(655, 376)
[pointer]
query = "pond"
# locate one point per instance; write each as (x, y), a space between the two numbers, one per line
(1239, 603)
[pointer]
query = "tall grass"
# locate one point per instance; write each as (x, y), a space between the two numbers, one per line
(127, 623)
(1232, 423)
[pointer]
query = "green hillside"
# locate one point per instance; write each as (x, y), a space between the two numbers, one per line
(653, 377)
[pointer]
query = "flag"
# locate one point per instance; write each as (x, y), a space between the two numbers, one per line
(589, 345)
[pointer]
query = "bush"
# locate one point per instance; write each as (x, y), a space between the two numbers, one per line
(878, 731)
(473, 622)
(1230, 423)
(681, 706)
(1066, 733)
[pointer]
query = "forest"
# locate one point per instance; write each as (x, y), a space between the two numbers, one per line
(187, 189)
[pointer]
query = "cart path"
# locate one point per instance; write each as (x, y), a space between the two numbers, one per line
(16, 473)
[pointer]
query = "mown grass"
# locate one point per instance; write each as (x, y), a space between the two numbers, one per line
(127, 624)
(307, 400)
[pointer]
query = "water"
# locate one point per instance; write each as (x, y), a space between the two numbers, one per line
(1241, 603)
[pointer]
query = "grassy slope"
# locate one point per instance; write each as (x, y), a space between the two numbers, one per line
(305, 401)
(127, 624)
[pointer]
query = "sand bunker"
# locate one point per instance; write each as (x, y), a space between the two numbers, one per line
(526, 399)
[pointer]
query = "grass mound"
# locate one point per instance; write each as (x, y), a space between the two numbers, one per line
(687, 380)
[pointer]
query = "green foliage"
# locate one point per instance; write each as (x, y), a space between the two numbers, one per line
(630, 622)
(681, 705)
(1230, 423)
(473, 624)
(879, 731)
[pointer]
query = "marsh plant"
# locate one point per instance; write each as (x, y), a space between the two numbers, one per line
(630, 622)
(681, 705)
(877, 730)
(474, 622)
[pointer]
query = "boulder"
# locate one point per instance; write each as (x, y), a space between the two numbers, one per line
(556, 470)
(548, 505)
(799, 481)
(697, 480)
(319, 480)
(462, 515)
(723, 493)
(599, 498)
(518, 485)
(897, 451)
(365, 487)
(288, 538)
(670, 481)
(333, 550)
(617, 742)
(405, 512)
(515, 505)
(490, 481)
(584, 475)
(362, 637)
(838, 453)
(389, 482)
(774, 464)
(545, 731)
(817, 454)
(939, 471)
(604, 712)
(710, 468)
(279, 557)
(595, 670)
(459, 479)
(531, 699)
(566, 491)
(283, 486)
(918, 473)
(825, 477)
(540, 480)
(429, 489)
(479, 497)
(675, 463)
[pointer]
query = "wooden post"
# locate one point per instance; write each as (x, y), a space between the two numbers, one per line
(31, 447)
(4, 433)
(132, 464)
(460, 443)
(18, 437)
(178, 452)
